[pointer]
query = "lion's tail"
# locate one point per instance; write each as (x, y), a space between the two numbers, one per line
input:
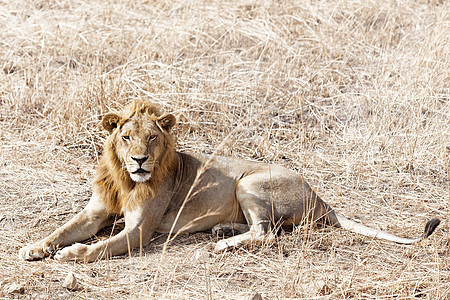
(350, 225)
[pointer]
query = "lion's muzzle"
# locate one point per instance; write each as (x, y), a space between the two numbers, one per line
(139, 169)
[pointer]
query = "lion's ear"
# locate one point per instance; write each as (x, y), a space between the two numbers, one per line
(166, 122)
(110, 121)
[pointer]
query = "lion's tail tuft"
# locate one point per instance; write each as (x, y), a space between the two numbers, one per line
(430, 227)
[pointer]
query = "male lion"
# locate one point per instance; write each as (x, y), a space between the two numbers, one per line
(141, 177)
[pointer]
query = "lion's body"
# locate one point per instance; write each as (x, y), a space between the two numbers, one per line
(234, 184)
(155, 188)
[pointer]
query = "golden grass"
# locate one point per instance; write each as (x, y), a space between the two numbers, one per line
(352, 94)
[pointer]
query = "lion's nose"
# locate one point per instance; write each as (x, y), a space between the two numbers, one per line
(140, 160)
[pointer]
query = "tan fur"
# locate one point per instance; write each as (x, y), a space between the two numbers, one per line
(112, 182)
(141, 177)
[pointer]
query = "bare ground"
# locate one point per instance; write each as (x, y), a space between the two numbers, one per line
(355, 96)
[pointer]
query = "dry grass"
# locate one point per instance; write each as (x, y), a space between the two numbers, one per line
(352, 94)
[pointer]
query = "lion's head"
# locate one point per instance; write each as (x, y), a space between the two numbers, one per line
(139, 151)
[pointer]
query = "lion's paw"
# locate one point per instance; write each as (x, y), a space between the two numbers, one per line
(229, 229)
(75, 252)
(221, 245)
(34, 252)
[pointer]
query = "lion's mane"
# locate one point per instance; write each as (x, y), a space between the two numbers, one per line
(112, 181)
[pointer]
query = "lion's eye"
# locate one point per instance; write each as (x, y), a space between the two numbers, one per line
(126, 137)
(152, 138)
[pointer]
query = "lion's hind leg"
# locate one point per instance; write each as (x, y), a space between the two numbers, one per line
(255, 205)
(257, 234)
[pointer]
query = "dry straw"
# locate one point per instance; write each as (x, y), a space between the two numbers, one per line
(352, 94)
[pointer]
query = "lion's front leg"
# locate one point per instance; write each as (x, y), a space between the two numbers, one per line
(140, 224)
(128, 238)
(82, 226)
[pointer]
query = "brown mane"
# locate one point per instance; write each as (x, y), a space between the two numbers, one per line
(118, 191)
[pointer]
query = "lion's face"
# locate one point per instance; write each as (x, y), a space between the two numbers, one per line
(139, 147)
(140, 141)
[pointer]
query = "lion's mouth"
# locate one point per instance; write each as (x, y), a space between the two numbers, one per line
(140, 171)
(140, 175)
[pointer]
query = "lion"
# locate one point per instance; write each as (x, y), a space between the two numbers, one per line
(155, 188)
